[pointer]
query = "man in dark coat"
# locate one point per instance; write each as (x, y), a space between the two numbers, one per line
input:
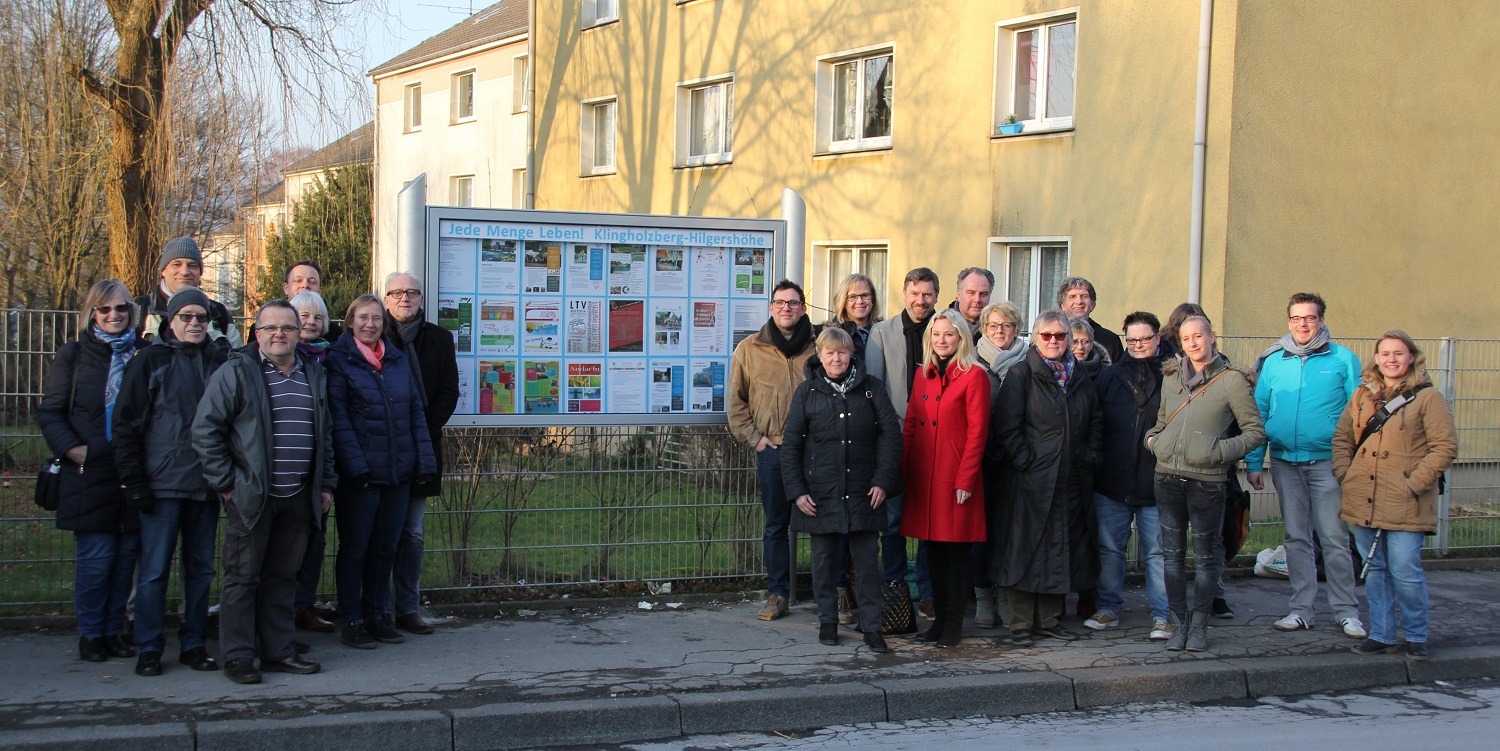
(430, 347)
(1049, 435)
(1130, 398)
(1077, 299)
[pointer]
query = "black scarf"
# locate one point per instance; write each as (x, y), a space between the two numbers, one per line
(801, 336)
(913, 331)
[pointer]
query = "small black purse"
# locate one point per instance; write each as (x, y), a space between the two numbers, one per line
(49, 480)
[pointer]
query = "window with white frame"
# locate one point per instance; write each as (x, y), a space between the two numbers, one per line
(856, 100)
(462, 92)
(705, 122)
(598, 136)
(518, 70)
(461, 190)
(1036, 59)
(413, 106)
(1030, 270)
(518, 188)
(862, 258)
(596, 12)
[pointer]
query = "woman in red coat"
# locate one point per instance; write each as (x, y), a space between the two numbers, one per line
(947, 422)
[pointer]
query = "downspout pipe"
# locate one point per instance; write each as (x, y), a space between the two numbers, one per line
(411, 230)
(1200, 139)
(529, 91)
(794, 211)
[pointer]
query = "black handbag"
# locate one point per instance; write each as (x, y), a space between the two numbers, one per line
(897, 616)
(49, 480)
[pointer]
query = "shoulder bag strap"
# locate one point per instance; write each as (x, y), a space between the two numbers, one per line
(1191, 397)
(1378, 420)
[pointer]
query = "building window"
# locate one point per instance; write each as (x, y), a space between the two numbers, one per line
(518, 71)
(1036, 60)
(835, 260)
(598, 138)
(461, 190)
(463, 96)
(518, 188)
(597, 12)
(705, 122)
(856, 100)
(1030, 270)
(413, 107)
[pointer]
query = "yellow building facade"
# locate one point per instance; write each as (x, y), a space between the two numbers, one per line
(1338, 155)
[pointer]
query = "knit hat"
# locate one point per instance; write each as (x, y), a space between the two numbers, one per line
(185, 297)
(179, 247)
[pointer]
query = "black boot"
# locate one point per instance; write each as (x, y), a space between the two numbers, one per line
(91, 649)
(116, 646)
(828, 634)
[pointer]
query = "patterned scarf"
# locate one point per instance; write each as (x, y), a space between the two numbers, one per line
(121, 347)
(317, 350)
(841, 385)
(1062, 370)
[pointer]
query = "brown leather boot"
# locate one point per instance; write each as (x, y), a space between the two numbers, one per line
(309, 620)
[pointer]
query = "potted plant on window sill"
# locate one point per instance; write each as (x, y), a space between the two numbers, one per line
(1010, 127)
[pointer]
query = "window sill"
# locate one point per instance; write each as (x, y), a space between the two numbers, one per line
(602, 22)
(410, 131)
(704, 165)
(464, 120)
(589, 175)
(868, 151)
(1026, 135)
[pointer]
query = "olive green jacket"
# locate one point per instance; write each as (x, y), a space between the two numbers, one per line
(1202, 442)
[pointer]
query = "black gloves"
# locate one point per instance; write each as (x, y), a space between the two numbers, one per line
(138, 498)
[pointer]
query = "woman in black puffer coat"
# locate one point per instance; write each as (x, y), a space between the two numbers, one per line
(75, 420)
(840, 458)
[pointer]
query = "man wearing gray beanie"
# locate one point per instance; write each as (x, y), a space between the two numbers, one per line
(181, 266)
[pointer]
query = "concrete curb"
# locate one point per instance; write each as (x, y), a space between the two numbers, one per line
(646, 718)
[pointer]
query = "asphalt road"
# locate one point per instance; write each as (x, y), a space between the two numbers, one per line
(1441, 715)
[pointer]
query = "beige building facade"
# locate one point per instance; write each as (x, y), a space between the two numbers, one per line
(455, 109)
(1335, 161)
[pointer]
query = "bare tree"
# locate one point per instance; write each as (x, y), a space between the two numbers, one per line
(294, 36)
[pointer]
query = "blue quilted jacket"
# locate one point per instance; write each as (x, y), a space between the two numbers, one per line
(379, 428)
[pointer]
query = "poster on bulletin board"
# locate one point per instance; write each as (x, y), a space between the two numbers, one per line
(571, 318)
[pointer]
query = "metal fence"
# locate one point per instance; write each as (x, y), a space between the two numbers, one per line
(529, 512)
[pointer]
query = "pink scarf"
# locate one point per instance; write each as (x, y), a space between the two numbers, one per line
(372, 356)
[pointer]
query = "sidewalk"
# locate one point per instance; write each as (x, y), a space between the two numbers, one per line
(598, 676)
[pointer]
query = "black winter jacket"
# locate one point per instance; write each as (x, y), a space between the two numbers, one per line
(838, 446)
(154, 418)
(437, 368)
(1129, 397)
(91, 500)
(379, 428)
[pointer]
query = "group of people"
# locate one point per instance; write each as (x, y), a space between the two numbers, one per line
(162, 418)
(1021, 466)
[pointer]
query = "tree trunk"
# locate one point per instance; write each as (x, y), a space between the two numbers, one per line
(131, 194)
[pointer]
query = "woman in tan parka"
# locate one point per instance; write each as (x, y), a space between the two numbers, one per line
(1390, 485)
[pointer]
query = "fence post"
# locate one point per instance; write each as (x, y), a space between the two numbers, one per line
(1447, 370)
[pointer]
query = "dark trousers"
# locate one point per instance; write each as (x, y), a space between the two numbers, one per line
(370, 521)
(951, 567)
(406, 576)
(256, 611)
(312, 566)
(775, 545)
(1180, 503)
(828, 576)
(1031, 609)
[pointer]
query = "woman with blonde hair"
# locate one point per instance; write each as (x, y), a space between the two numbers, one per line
(947, 423)
(1391, 447)
(856, 307)
(76, 419)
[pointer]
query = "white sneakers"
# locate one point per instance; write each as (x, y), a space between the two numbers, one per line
(1292, 622)
(1101, 621)
(1161, 629)
(1353, 628)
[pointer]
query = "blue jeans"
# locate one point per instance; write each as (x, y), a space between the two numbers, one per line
(1181, 502)
(370, 521)
(1396, 580)
(311, 569)
(775, 542)
(101, 580)
(407, 574)
(1114, 534)
(197, 522)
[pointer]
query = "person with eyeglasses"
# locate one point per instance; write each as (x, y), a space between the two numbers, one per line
(313, 342)
(856, 309)
(262, 433)
(430, 348)
(764, 372)
(1206, 423)
(1048, 418)
(181, 266)
(76, 419)
(998, 348)
(381, 447)
(164, 480)
(1304, 381)
(1124, 491)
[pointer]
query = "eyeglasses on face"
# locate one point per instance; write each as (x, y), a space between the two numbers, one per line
(785, 304)
(1309, 320)
(410, 294)
(105, 310)
(1139, 342)
(861, 297)
(191, 317)
(1050, 336)
(273, 330)
(1002, 326)
(1080, 343)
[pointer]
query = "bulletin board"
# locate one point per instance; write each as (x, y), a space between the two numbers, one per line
(573, 318)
